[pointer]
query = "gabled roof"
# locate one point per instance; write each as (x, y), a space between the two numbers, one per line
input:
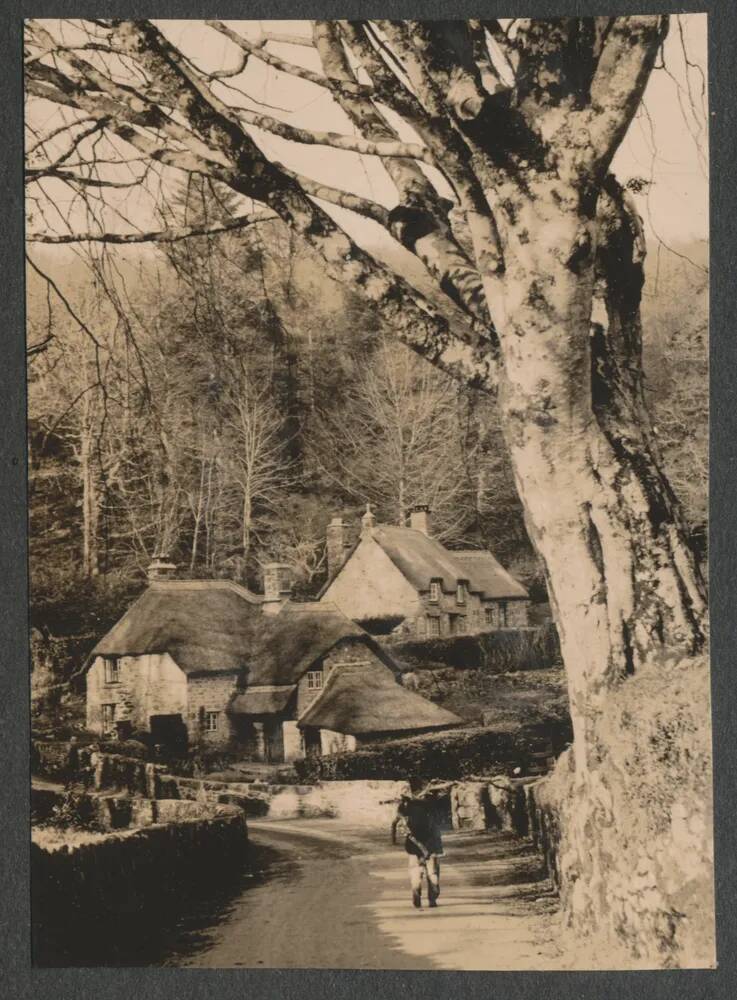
(488, 575)
(419, 557)
(286, 644)
(204, 625)
(366, 698)
(422, 559)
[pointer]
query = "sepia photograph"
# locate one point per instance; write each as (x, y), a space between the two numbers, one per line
(368, 473)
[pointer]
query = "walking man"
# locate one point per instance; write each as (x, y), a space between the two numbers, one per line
(423, 844)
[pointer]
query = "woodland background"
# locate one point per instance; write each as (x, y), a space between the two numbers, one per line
(219, 398)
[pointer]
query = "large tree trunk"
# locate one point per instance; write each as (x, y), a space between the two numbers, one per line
(627, 595)
(623, 581)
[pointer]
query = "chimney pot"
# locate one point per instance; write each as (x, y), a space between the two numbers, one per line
(337, 545)
(161, 568)
(368, 521)
(419, 518)
(277, 586)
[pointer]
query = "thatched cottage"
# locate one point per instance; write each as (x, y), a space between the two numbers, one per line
(401, 578)
(209, 662)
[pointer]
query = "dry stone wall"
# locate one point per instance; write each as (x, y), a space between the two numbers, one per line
(628, 840)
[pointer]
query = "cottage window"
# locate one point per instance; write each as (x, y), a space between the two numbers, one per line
(112, 671)
(211, 721)
(314, 680)
(490, 616)
(434, 591)
(461, 592)
(433, 627)
(108, 717)
(503, 614)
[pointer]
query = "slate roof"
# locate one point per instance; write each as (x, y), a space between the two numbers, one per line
(205, 625)
(361, 698)
(422, 559)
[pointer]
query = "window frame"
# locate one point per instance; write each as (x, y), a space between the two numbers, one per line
(112, 669)
(108, 724)
(212, 715)
(461, 592)
(312, 676)
(435, 592)
(433, 627)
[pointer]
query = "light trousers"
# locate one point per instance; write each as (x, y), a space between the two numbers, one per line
(430, 869)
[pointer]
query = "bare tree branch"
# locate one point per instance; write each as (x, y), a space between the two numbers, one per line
(160, 236)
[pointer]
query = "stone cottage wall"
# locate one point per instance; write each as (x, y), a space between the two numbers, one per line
(345, 652)
(518, 614)
(209, 693)
(148, 685)
(371, 586)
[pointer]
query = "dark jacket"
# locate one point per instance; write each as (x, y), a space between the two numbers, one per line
(423, 831)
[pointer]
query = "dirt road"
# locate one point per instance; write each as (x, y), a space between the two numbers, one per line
(322, 896)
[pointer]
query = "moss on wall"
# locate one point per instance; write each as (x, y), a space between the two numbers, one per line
(629, 840)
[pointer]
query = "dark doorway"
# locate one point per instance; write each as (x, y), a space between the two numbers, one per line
(313, 746)
(274, 741)
(170, 732)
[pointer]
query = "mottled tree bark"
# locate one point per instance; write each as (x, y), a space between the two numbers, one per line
(622, 578)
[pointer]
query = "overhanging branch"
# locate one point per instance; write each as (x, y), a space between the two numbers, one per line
(159, 236)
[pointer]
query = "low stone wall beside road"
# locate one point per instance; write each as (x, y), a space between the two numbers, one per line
(90, 898)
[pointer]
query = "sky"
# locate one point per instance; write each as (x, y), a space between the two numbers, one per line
(666, 145)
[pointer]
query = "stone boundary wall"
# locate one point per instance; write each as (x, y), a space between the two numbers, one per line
(628, 843)
(497, 803)
(359, 803)
(125, 886)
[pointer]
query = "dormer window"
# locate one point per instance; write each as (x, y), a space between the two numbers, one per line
(434, 591)
(461, 592)
(314, 680)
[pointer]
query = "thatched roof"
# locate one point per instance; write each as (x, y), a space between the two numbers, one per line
(262, 700)
(204, 625)
(422, 559)
(366, 698)
(488, 575)
(286, 644)
(216, 626)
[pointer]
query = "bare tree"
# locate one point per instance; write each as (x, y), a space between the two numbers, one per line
(257, 461)
(397, 442)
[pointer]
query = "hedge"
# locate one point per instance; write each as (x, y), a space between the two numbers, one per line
(451, 754)
(496, 652)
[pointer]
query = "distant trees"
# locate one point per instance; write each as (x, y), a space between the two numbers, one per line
(234, 401)
(675, 311)
(399, 441)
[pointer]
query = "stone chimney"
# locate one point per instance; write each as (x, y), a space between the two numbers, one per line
(160, 568)
(419, 518)
(337, 545)
(368, 522)
(277, 586)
